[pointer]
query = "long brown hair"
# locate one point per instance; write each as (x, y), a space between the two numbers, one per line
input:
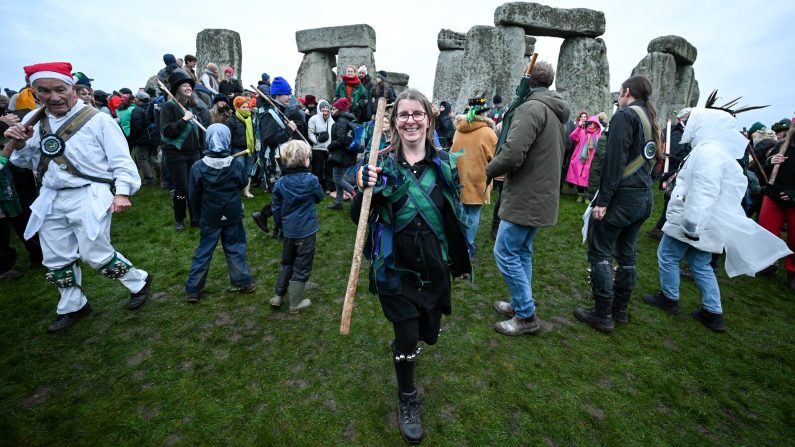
(416, 95)
(639, 87)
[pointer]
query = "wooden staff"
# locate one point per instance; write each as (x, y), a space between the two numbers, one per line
(750, 150)
(265, 97)
(29, 120)
(531, 65)
(184, 110)
(774, 174)
(667, 144)
(361, 229)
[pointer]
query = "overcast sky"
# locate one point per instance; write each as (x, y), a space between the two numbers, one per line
(744, 48)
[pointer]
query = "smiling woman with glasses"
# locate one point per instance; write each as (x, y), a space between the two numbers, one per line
(416, 241)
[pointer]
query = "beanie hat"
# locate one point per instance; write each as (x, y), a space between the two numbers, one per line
(177, 78)
(143, 96)
(229, 70)
(56, 70)
(342, 104)
(497, 100)
(755, 127)
(362, 69)
(265, 77)
(169, 59)
(310, 100)
(781, 126)
(239, 101)
(280, 86)
(220, 97)
(381, 74)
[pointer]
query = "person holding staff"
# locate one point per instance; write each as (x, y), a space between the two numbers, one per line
(415, 242)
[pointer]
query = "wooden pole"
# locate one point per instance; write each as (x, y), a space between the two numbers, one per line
(774, 174)
(265, 97)
(531, 65)
(184, 110)
(29, 120)
(361, 229)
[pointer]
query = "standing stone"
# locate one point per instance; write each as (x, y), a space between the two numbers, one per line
(682, 50)
(332, 39)
(398, 81)
(583, 75)
(542, 20)
(448, 77)
(529, 45)
(660, 68)
(315, 75)
(450, 40)
(356, 56)
(221, 47)
(493, 63)
(686, 93)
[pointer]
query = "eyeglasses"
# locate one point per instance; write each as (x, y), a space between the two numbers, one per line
(418, 116)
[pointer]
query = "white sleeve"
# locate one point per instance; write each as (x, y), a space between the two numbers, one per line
(703, 191)
(28, 156)
(125, 173)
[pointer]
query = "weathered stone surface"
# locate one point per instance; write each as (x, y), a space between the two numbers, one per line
(684, 52)
(583, 75)
(221, 47)
(686, 90)
(356, 56)
(660, 68)
(331, 39)
(399, 81)
(492, 64)
(450, 40)
(542, 20)
(315, 75)
(448, 77)
(529, 45)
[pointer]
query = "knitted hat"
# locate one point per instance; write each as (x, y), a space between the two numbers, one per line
(265, 77)
(229, 70)
(280, 86)
(497, 100)
(342, 104)
(177, 78)
(55, 70)
(310, 101)
(781, 126)
(362, 69)
(220, 97)
(381, 74)
(239, 101)
(755, 127)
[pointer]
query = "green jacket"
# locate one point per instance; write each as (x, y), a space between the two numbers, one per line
(358, 94)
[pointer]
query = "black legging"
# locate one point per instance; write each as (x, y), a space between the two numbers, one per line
(180, 166)
(407, 335)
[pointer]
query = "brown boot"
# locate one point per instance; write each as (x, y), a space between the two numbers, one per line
(519, 326)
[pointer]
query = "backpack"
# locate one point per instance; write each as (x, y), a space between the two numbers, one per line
(356, 135)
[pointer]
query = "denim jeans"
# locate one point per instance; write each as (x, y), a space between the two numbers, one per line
(513, 251)
(233, 240)
(473, 215)
(669, 253)
(341, 183)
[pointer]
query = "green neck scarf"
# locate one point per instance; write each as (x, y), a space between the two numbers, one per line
(245, 116)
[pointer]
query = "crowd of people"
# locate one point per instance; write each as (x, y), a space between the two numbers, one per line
(81, 153)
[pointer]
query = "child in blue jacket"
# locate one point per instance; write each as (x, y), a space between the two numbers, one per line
(214, 190)
(294, 197)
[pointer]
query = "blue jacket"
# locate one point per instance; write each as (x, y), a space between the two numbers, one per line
(293, 203)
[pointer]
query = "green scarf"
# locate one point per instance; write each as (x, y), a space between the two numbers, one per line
(245, 116)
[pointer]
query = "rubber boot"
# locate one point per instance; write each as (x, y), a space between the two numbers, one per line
(276, 301)
(620, 304)
(409, 420)
(600, 317)
(247, 190)
(295, 292)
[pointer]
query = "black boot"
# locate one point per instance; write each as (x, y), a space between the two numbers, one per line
(409, 417)
(600, 317)
(660, 301)
(620, 304)
(711, 320)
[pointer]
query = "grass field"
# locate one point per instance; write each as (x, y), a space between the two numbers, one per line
(232, 371)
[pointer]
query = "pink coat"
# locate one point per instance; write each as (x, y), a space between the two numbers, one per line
(580, 163)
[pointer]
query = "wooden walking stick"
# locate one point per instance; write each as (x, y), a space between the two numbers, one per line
(782, 151)
(361, 229)
(667, 144)
(270, 101)
(29, 120)
(184, 110)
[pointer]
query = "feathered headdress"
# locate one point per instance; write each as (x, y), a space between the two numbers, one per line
(728, 107)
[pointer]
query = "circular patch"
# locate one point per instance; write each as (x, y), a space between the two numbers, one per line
(52, 145)
(650, 150)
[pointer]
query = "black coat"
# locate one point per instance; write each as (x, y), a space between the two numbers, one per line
(238, 129)
(142, 131)
(271, 134)
(215, 193)
(172, 125)
(377, 92)
(339, 155)
(231, 88)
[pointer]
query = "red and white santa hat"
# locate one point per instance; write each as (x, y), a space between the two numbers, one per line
(55, 70)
